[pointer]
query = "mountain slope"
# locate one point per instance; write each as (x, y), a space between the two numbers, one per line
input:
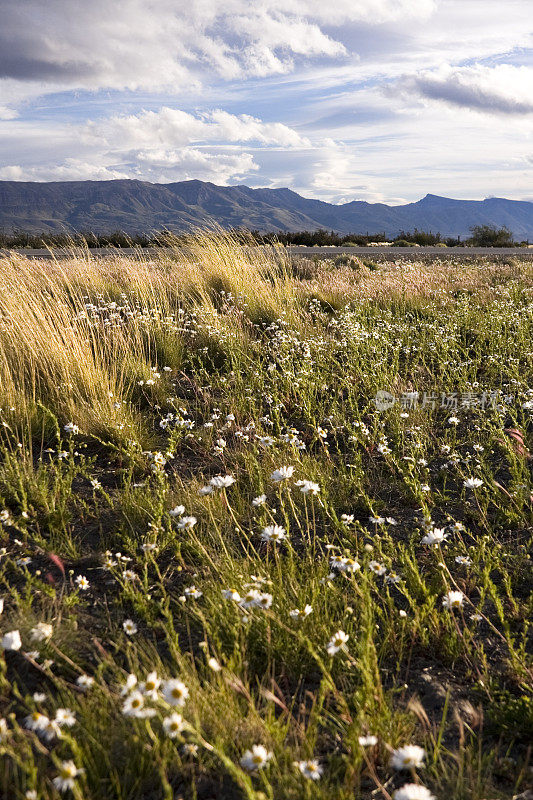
(140, 207)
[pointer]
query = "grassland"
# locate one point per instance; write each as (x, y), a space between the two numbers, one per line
(226, 573)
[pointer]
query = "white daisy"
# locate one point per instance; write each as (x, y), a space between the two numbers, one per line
(413, 791)
(150, 686)
(473, 483)
(11, 641)
(187, 522)
(64, 716)
(337, 642)
(410, 756)
(222, 481)
(133, 705)
(282, 474)
(173, 725)
(273, 533)
(308, 487)
(453, 599)
(231, 594)
(310, 769)
(256, 758)
(435, 536)
(41, 632)
(175, 692)
(368, 741)
(65, 780)
(177, 511)
(130, 628)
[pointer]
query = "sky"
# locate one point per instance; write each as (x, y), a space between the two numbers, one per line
(377, 100)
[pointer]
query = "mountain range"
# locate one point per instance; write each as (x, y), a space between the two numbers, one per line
(136, 206)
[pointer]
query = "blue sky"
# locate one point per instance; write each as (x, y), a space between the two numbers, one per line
(379, 100)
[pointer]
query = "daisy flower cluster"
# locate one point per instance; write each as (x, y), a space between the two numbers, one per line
(224, 569)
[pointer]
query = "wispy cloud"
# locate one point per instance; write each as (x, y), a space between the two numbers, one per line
(138, 44)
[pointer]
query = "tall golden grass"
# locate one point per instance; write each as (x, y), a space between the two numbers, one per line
(51, 355)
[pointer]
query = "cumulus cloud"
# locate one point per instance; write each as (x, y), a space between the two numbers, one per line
(165, 145)
(171, 144)
(156, 166)
(71, 169)
(503, 89)
(190, 163)
(173, 127)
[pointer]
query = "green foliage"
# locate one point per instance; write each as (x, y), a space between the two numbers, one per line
(346, 260)
(512, 713)
(423, 238)
(491, 236)
(175, 546)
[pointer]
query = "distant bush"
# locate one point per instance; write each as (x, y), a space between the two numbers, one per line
(491, 236)
(346, 260)
(482, 236)
(22, 239)
(423, 238)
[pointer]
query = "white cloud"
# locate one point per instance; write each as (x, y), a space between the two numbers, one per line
(71, 169)
(190, 163)
(346, 11)
(161, 43)
(275, 40)
(13, 172)
(162, 146)
(343, 100)
(503, 89)
(173, 127)
(436, 148)
(156, 166)
(8, 113)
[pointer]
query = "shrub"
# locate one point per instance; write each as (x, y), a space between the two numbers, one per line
(491, 236)
(346, 260)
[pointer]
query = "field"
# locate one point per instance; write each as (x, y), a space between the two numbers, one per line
(227, 571)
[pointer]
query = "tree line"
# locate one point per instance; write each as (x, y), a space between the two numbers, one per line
(481, 236)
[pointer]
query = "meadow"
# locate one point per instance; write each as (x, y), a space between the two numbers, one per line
(226, 571)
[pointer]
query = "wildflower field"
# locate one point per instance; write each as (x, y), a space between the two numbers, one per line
(226, 570)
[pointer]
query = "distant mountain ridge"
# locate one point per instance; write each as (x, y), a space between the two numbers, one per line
(140, 207)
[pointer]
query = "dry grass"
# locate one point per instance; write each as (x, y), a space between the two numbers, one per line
(417, 281)
(50, 354)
